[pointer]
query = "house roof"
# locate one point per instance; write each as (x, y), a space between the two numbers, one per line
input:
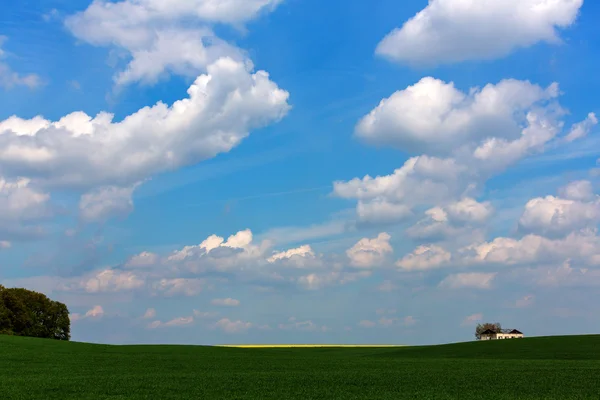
(491, 331)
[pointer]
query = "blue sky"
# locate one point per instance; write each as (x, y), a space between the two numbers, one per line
(476, 125)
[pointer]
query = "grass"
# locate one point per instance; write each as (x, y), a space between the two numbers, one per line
(533, 368)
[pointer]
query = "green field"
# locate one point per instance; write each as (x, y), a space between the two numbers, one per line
(534, 368)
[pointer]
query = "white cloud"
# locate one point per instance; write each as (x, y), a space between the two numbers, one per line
(19, 201)
(229, 326)
(474, 280)
(578, 190)
(10, 78)
(449, 31)
(94, 313)
(381, 211)
(181, 321)
(435, 117)
(299, 257)
(369, 253)
(467, 138)
(553, 215)
(582, 129)
(164, 38)
(105, 202)
(583, 246)
(5, 244)
(106, 281)
(223, 106)
(472, 319)
(425, 258)
(142, 260)
(180, 286)
(229, 302)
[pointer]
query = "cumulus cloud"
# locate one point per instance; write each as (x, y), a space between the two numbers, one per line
(424, 258)
(94, 313)
(435, 117)
(369, 253)
(176, 322)
(10, 78)
(466, 138)
(80, 151)
(474, 280)
(142, 260)
(180, 286)
(555, 216)
(164, 38)
(583, 246)
(229, 302)
(449, 31)
(105, 202)
(229, 326)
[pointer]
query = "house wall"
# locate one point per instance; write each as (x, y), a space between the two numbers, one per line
(501, 336)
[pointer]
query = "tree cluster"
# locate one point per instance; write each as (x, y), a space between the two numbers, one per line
(480, 328)
(27, 313)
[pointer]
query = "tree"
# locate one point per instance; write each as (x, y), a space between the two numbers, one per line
(27, 313)
(480, 328)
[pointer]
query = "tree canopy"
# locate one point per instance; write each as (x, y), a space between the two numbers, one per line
(27, 313)
(496, 327)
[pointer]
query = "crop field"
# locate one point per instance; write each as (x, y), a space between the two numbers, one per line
(534, 368)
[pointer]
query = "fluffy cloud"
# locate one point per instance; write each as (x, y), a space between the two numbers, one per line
(10, 78)
(229, 302)
(180, 286)
(579, 208)
(425, 258)
(435, 117)
(467, 138)
(106, 281)
(448, 31)
(229, 326)
(19, 201)
(94, 313)
(164, 37)
(456, 219)
(223, 106)
(552, 215)
(582, 129)
(142, 260)
(369, 253)
(105, 202)
(469, 280)
(181, 321)
(583, 246)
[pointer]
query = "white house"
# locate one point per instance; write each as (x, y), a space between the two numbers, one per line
(502, 334)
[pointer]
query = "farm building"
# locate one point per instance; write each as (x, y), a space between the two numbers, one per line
(502, 334)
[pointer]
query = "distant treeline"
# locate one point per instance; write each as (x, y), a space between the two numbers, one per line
(27, 313)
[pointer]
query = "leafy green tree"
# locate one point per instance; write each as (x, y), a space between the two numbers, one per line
(480, 328)
(27, 313)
